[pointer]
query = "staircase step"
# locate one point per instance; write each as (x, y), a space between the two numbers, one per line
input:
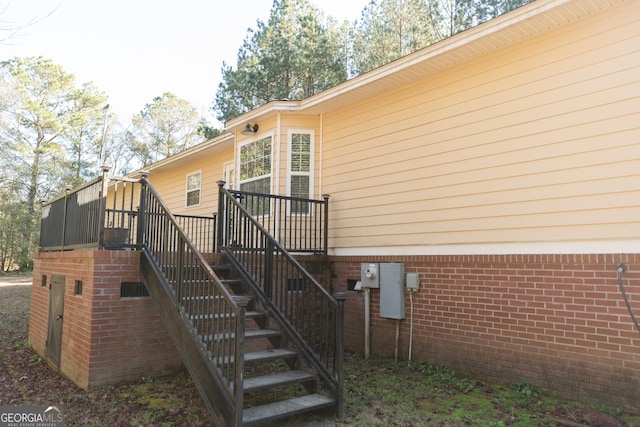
(231, 282)
(174, 267)
(212, 316)
(202, 297)
(264, 356)
(276, 380)
(254, 333)
(261, 333)
(192, 282)
(285, 408)
(221, 268)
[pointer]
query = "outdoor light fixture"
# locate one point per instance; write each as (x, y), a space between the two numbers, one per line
(250, 130)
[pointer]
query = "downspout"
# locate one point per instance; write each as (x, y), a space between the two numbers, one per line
(411, 327)
(276, 163)
(395, 359)
(320, 152)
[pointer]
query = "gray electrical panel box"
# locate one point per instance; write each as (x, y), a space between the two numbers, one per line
(392, 290)
(370, 275)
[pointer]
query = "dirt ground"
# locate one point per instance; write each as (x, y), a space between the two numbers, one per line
(12, 288)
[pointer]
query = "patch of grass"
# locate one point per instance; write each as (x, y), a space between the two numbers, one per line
(614, 412)
(527, 390)
(381, 393)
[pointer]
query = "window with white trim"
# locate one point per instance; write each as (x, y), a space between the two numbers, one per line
(255, 171)
(194, 184)
(300, 171)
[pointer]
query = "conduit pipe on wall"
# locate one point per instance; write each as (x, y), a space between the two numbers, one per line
(367, 321)
(397, 340)
(622, 269)
(410, 326)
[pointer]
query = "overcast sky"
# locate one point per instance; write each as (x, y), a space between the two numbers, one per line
(134, 50)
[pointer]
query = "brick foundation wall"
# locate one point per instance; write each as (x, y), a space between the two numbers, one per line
(558, 321)
(105, 338)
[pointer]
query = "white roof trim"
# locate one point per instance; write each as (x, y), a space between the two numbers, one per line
(225, 137)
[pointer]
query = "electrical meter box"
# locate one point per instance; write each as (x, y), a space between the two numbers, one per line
(392, 290)
(369, 275)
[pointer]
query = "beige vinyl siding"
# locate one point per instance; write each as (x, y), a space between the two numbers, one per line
(538, 142)
(170, 182)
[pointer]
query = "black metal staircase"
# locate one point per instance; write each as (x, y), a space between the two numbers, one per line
(273, 367)
(260, 337)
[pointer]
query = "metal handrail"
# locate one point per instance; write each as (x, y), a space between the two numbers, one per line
(75, 219)
(79, 217)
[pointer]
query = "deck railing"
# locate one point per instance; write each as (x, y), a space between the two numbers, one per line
(201, 230)
(104, 213)
(299, 225)
(73, 219)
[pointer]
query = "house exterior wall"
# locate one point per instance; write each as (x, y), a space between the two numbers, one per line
(105, 338)
(510, 184)
(535, 144)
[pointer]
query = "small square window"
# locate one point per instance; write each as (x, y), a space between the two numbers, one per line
(44, 281)
(78, 287)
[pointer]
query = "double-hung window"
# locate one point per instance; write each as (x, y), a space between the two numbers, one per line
(255, 172)
(194, 183)
(300, 170)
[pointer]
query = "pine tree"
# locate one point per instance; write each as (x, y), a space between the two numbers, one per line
(296, 54)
